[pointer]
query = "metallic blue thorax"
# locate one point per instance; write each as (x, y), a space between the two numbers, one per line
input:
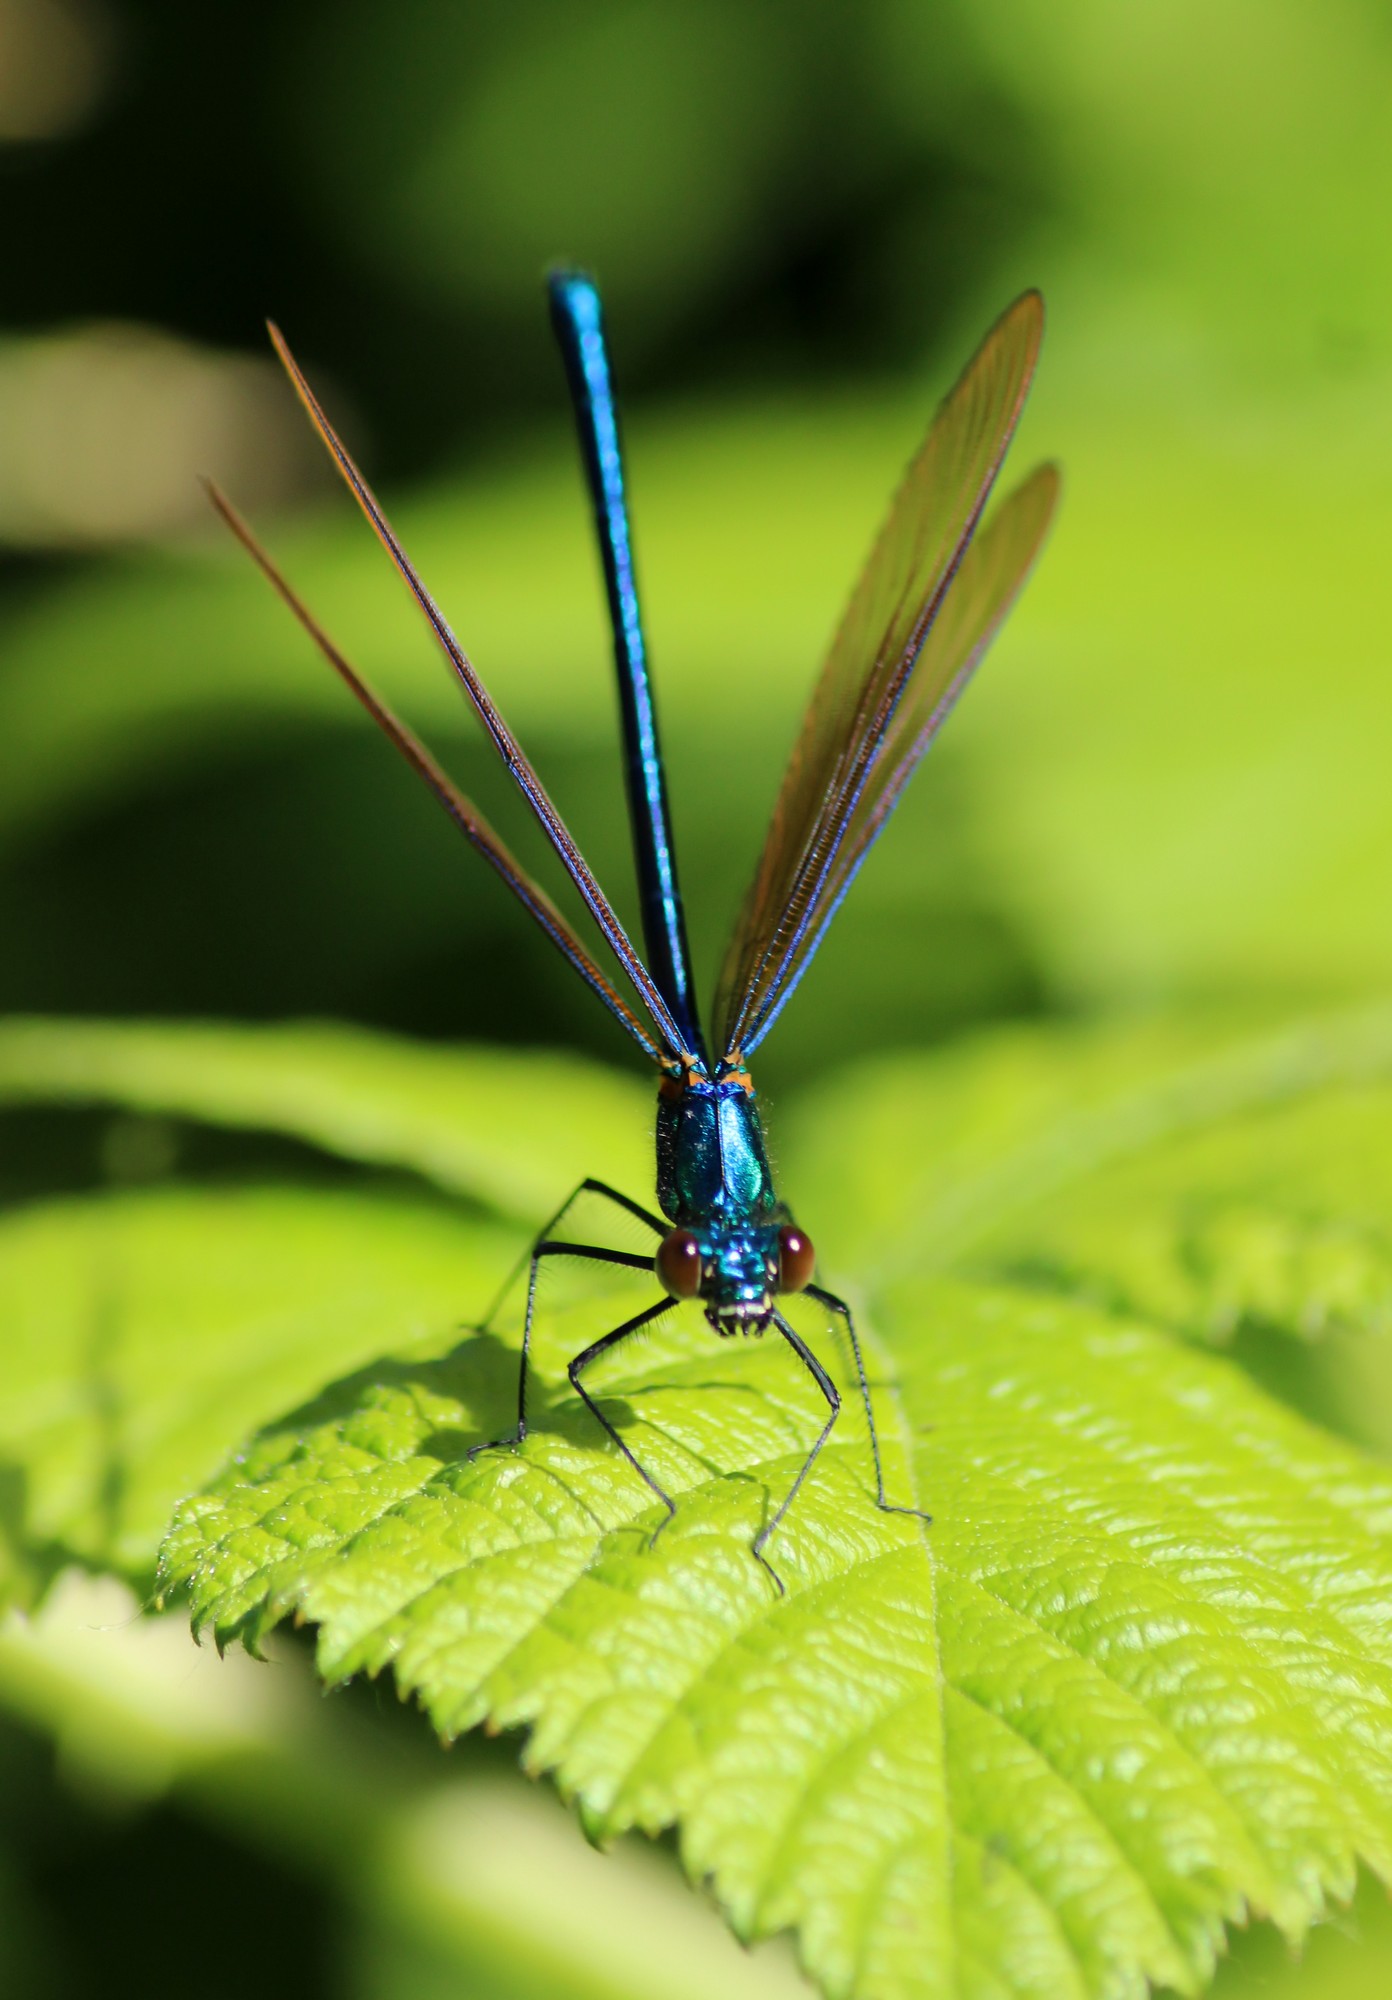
(713, 1178)
(711, 1162)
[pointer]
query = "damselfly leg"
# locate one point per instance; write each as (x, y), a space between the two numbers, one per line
(592, 1353)
(828, 1389)
(843, 1312)
(548, 1244)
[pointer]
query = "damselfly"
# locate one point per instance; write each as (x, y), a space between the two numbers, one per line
(930, 599)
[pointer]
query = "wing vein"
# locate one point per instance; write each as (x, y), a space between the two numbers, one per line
(461, 810)
(500, 735)
(887, 684)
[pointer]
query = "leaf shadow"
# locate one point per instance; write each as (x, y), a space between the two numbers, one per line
(466, 1397)
(30, 1564)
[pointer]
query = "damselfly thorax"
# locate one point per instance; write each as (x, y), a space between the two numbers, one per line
(733, 1245)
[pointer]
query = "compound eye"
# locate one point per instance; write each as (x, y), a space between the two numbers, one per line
(679, 1264)
(796, 1260)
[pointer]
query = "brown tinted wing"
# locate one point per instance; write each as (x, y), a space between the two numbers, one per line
(461, 810)
(502, 738)
(989, 579)
(871, 658)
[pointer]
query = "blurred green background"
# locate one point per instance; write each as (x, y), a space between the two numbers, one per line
(1170, 787)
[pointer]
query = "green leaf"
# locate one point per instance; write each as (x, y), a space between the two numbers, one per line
(1213, 1184)
(1135, 1679)
(460, 1863)
(513, 1132)
(1133, 1683)
(145, 1333)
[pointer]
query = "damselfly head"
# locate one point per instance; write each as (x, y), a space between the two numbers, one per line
(737, 1271)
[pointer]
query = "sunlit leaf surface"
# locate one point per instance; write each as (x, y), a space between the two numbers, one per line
(144, 1331)
(1136, 1675)
(1135, 1680)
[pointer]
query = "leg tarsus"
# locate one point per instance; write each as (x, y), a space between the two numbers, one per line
(547, 1246)
(499, 1444)
(836, 1305)
(765, 1564)
(665, 1522)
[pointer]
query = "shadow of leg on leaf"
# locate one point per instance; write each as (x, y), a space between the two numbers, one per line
(440, 1408)
(460, 1398)
(403, 1425)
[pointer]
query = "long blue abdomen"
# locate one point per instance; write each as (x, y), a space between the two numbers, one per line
(579, 324)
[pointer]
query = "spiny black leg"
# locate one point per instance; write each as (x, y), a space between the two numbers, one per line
(828, 1389)
(543, 1246)
(592, 1353)
(830, 1300)
(654, 1222)
(587, 1186)
(549, 1247)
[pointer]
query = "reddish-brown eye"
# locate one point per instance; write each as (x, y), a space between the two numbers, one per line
(679, 1264)
(796, 1260)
